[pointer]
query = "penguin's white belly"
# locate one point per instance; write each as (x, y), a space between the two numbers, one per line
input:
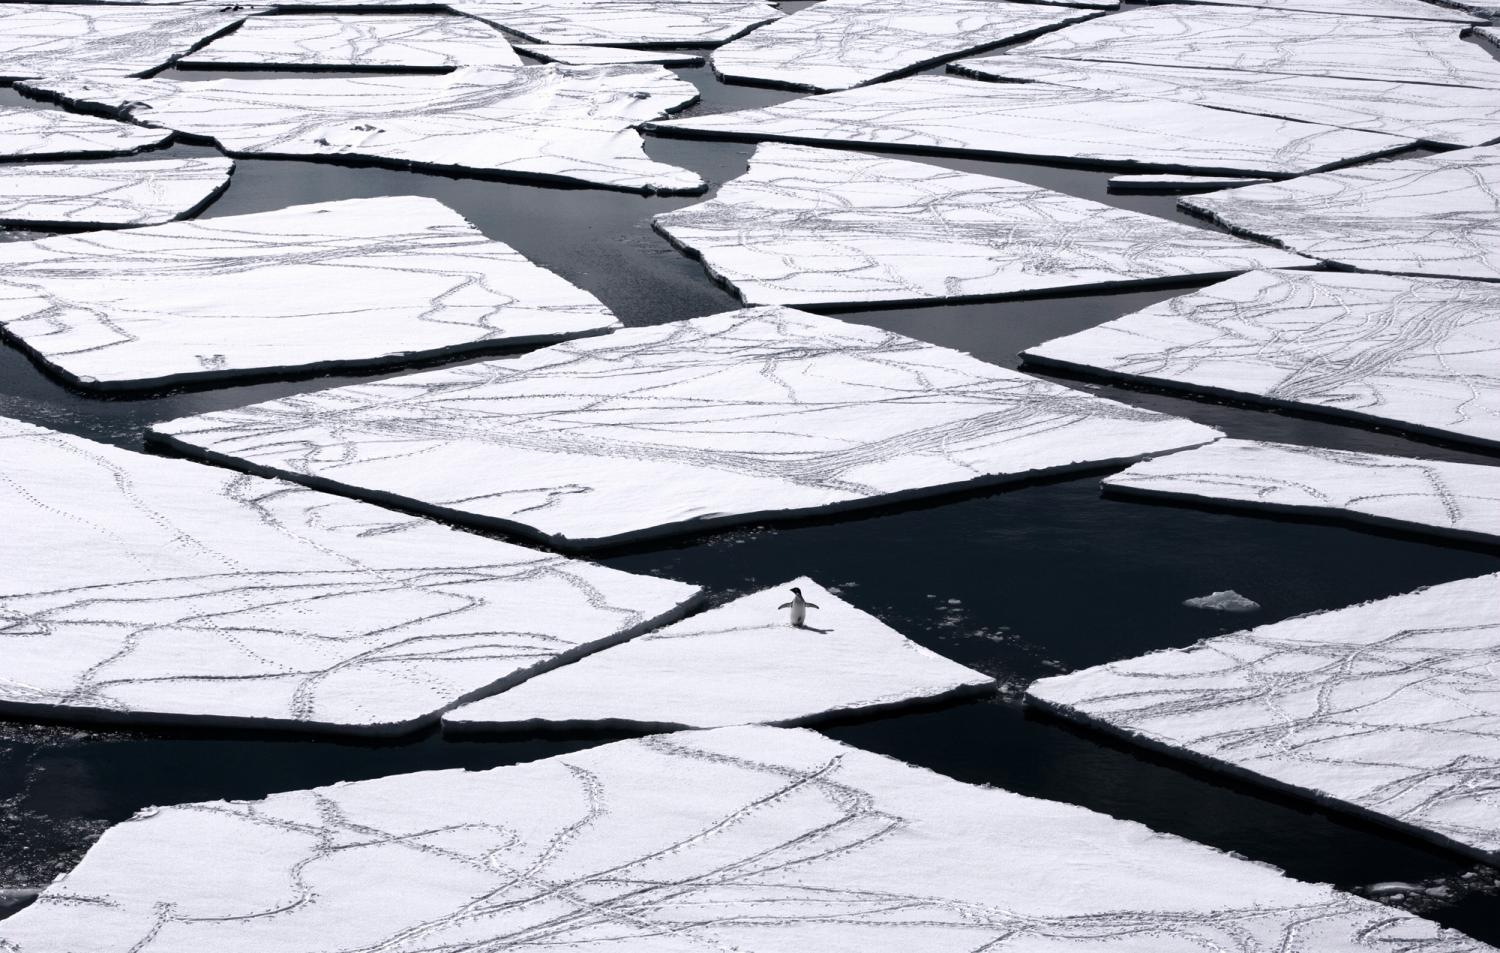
(798, 614)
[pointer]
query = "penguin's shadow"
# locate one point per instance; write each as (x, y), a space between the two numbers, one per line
(810, 628)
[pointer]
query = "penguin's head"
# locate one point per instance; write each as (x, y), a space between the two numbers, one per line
(796, 590)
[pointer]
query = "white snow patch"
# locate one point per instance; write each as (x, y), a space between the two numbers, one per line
(1388, 708)
(56, 39)
(366, 41)
(681, 426)
(106, 194)
(52, 133)
(623, 22)
(1225, 600)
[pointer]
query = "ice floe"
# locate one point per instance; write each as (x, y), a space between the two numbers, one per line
(1420, 353)
(1177, 183)
(54, 134)
(550, 122)
(106, 194)
(953, 114)
(623, 22)
(741, 663)
(1225, 600)
(1400, 9)
(677, 427)
(1309, 44)
(836, 44)
(356, 282)
(1442, 115)
(1388, 708)
(358, 41)
(73, 39)
(752, 839)
(824, 227)
(575, 55)
(144, 589)
(1436, 215)
(1427, 496)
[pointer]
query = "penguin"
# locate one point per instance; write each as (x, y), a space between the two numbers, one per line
(799, 607)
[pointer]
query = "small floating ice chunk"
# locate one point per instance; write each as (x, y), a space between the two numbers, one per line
(1460, 500)
(623, 22)
(1420, 353)
(741, 663)
(1225, 600)
(836, 44)
(1445, 115)
(575, 55)
(1177, 183)
(953, 114)
(551, 122)
(1308, 44)
(1438, 215)
(358, 282)
(56, 39)
(52, 133)
(107, 194)
(752, 839)
(674, 428)
(1388, 708)
(821, 226)
(358, 41)
(147, 590)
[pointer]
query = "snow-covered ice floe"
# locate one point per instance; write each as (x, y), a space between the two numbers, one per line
(565, 123)
(1225, 600)
(1437, 215)
(1035, 120)
(1420, 353)
(677, 427)
(54, 134)
(1388, 708)
(826, 227)
(358, 41)
(623, 22)
(1441, 115)
(741, 663)
(752, 839)
(107, 194)
(576, 55)
(72, 39)
(140, 589)
(1309, 44)
(349, 283)
(836, 44)
(1460, 500)
(1178, 183)
(1400, 9)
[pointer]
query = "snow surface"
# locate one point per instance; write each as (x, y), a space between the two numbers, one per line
(1225, 600)
(837, 44)
(752, 839)
(106, 194)
(361, 41)
(355, 282)
(1388, 708)
(52, 133)
(741, 663)
(1420, 353)
(1177, 183)
(1429, 496)
(623, 22)
(575, 55)
(145, 589)
(1437, 215)
(677, 427)
(553, 122)
(822, 226)
(953, 114)
(1444, 115)
(1400, 9)
(1309, 44)
(71, 40)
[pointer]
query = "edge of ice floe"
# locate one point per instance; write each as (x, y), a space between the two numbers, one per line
(575, 545)
(1182, 754)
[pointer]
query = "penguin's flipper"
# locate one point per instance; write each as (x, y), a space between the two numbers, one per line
(812, 605)
(785, 605)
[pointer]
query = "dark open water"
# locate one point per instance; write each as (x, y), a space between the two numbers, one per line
(1018, 583)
